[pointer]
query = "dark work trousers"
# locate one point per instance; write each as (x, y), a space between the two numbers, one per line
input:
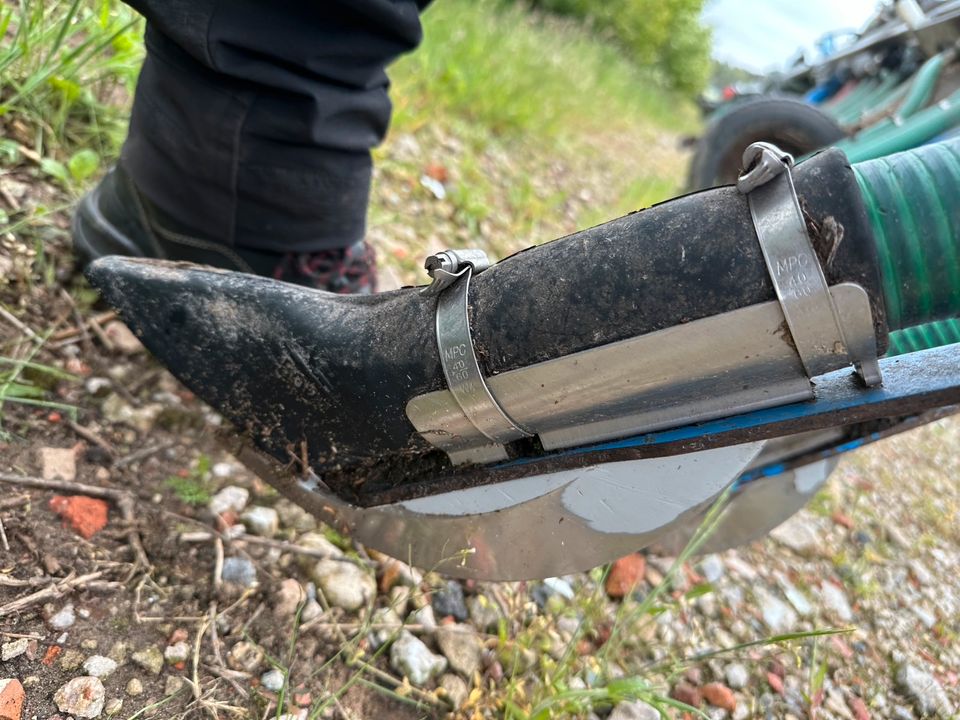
(253, 119)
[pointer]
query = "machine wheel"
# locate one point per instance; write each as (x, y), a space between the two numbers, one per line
(793, 125)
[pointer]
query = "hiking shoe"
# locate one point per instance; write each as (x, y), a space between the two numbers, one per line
(351, 270)
(115, 219)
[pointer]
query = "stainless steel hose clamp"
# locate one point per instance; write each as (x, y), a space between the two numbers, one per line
(451, 271)
(801, 287)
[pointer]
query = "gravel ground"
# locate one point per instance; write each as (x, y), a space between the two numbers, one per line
(214, 597)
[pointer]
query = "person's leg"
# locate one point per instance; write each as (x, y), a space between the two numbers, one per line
(253, 123)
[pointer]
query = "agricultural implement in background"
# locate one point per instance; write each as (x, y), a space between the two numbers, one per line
(894, 88)
(597, 392)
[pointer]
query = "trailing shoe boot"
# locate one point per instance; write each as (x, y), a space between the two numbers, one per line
(348, 382)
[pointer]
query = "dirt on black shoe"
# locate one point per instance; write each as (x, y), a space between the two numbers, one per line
(116, 219)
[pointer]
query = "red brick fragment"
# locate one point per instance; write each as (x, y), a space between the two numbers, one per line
(719, 695)
(843, 520)
(625, 574)
(11, 699)
(776, 684)
(686, 693)
(51, 655)
(85, 515)
(858, 707)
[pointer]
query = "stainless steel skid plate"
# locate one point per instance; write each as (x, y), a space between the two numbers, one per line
(755, 509)
(531, 527)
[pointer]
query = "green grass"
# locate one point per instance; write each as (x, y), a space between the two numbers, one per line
(193, 486)
(66, 68)
(515, 72)
(24, 381)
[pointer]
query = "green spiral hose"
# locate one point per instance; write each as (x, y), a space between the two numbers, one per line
(891, 137)
(853, 113)
(921, 89)
(913, 202)
(924, 337)
(838, 106)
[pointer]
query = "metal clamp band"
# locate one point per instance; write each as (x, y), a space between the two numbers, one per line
(794, 268)
(452, 270)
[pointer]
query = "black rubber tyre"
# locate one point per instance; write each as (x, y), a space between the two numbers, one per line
(793, 125)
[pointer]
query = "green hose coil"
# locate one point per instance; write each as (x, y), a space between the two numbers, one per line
(921, 89)
(924, 337)
(900, 132)
(851, 99)
(920, 128)
(885, 107)
(913, 203)
(884, 88)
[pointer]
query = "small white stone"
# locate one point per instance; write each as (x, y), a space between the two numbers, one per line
(795, 596)
(12, 649)
(461, 646)
(311, 611)
(262, 521)
(122, 338)
(344, 584)
(177, 653)
(924, 616)
(455, 689)
(736, 675)
(559, 586)
(272, 680)
(83, 697)
(712, 568)
(318, 542)
(97, 385)
(57, 463)
(222, 470)
(172, 685)
(425, 618)
(63, 619)
(134, 687)
(836, 601)
(413, 660)
(232, 497)
(240, 571)
(777, 615)
(800, 533)
(113, 706)
(635, 710)
(920, 572)
(99, 666)
(925, 690)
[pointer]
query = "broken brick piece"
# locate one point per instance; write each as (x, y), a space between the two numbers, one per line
(86, 515)
(50, 656)
(11, 699)
(625, 574)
